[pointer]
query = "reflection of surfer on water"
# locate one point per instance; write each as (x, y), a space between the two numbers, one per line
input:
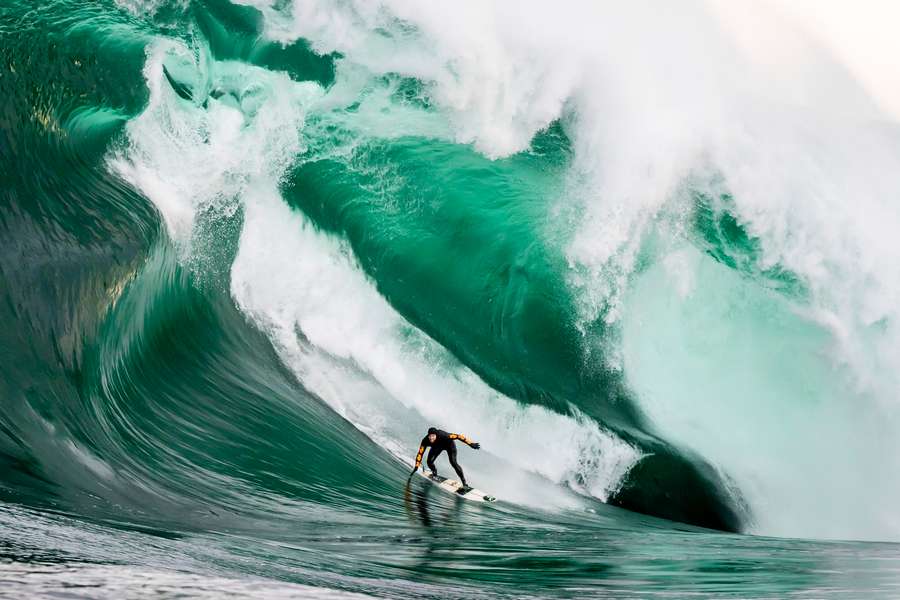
(438, 441)
(420, 501)
(441, 524)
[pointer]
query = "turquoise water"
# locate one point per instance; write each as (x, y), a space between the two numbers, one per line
(252, 250)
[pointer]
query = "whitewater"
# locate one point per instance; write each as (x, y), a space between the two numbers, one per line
(643, 254)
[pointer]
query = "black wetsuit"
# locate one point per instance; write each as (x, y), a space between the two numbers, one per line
(444, 441)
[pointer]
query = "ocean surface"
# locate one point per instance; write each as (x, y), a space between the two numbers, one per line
(250, 250)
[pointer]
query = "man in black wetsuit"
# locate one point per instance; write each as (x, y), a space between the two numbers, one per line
(439, 440)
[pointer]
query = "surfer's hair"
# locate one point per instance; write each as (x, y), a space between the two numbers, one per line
(432, 430)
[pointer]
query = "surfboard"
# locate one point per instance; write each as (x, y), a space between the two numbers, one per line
(452, 486)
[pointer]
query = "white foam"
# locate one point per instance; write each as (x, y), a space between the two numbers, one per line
(733, 371)
(185, 158)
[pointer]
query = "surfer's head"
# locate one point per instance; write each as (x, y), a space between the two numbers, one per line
(432, 434)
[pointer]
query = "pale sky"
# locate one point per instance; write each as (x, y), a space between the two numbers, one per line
(864, 35)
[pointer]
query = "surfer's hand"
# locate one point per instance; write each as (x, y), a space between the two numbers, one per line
(475, 445)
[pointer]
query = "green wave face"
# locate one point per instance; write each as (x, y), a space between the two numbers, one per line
(253, 250)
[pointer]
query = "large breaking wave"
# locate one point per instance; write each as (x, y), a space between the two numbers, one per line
(253, 249)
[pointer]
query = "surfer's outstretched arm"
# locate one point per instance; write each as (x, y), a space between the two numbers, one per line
(465, 440)
(419, 457)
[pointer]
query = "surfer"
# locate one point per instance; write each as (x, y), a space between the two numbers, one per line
(439, 440)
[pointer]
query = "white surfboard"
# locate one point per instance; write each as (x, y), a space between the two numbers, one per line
(452, 485)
